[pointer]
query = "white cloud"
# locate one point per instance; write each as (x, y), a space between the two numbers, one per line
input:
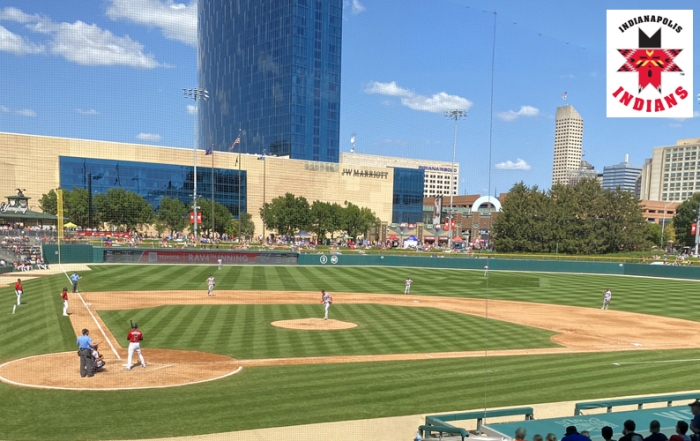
(20, 112)
(25, 112)
(191, 109)
(150, 137)
(357, 7)
(391, 89)
(520, 164)
(440, 102)
(16, 44)
(176, 21)
(512, 115)
(78, 42)
(87, 112)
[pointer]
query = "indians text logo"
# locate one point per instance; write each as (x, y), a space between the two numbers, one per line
(650, 64)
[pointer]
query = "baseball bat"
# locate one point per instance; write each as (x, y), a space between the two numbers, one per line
(131, 322)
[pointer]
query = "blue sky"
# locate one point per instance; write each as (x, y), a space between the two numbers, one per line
(114, 70)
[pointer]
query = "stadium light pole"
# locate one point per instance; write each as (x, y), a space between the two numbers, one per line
(454, 115)
(262, 158)
(196, 94)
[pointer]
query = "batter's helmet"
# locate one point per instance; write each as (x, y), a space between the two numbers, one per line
(134, 326)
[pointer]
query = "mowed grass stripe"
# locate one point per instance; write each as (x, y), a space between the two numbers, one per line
(382, 329)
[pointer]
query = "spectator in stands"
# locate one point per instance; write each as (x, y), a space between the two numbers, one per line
(628, 433)
(655, 432)
(607, 433)
(695, 422)
(586, 433)
(573, 435)
(682, 430)
(537, 437)
(550, 437)
(520, 434)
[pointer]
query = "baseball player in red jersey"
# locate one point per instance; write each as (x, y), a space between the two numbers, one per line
(64, 296)
(19, 291)
(134, 336)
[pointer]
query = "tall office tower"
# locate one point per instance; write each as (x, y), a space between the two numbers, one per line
(568, 142)
(623, 176)
(272, 70)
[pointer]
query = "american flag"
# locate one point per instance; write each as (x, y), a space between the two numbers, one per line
(237, 141)
(209, 151)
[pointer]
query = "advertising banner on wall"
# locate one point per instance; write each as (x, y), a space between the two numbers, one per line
(437, 210)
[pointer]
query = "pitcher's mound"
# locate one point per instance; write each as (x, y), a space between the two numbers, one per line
(314, 324)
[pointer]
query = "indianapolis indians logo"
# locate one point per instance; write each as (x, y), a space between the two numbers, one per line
(649, 79)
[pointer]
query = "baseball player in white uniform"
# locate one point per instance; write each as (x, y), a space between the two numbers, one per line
(607, 296)
(486, 270)
(211, 282)
(408, 286)
(326, 299)
(221, 263)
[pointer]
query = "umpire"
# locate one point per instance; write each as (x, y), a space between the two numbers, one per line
(85, 346)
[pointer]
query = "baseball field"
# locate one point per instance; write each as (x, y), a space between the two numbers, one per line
(258, 354)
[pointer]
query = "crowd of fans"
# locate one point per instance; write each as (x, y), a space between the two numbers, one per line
(682, 431)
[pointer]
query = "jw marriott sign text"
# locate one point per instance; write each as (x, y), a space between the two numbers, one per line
(365, 173)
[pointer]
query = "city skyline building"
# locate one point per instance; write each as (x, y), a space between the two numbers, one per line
(272, 70)
(436, 173)
(673, 172)
(624, 176)
(568, 145)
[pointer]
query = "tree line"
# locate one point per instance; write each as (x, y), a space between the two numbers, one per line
(128, 211)
(577, 219)
(288, 214)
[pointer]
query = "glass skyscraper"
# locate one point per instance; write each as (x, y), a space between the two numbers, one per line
(272, 69)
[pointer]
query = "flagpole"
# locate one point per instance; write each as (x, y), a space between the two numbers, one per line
(213, 218)
(239, 186)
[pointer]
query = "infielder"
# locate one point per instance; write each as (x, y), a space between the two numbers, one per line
(64, 296)
(408, 286)
(220, 262)
(607, 296)
(134, 336)
(326, 299)
(211, 282)
(19, 291)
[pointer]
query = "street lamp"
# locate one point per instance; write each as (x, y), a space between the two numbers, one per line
(196, 94)
(454, 115)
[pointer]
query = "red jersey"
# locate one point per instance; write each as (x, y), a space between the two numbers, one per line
(134, 336)
(64, 295)
(18, 287)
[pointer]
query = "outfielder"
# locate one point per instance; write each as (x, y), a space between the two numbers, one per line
(326, 299)
(19, 291)
(221, 263)
(211, 281)
(486, 270)
(64, 296)
(134, 336)
(607, 296)
(408, 286)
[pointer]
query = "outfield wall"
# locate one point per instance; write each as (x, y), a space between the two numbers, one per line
(473, 263)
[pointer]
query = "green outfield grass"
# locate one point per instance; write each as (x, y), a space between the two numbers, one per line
(288, 395)
(244, 331)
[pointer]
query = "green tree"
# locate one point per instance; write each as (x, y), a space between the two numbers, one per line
(656, 235)
(356, 221)
(321, 219)
(286, 214)
(48, 203)
(75, 207)
(686, 215)
(123, 209)
(173, 214)
(222, 217)
(247, 225)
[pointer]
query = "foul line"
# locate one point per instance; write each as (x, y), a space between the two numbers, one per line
(654, 362)
(99, 327)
